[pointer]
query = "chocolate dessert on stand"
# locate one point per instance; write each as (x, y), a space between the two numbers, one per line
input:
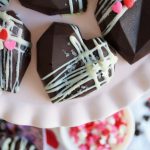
(53, 7)
(73, 67)
(125, 25)
(15, 51)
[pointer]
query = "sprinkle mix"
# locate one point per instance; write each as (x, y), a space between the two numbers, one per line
(100, 135)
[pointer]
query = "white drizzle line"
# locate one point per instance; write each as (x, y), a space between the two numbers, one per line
(71, 5)
(10, 144)
(3, 2)
(67, 82)
(13, 144)
(80, 3)
(105, 8)
(114, 21)
(6, 143)
(6, 79)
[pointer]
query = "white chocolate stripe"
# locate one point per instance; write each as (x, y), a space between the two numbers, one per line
(11, 144)
(3, 2)
(114, 21)
(71, 5)
(80, 4)
(6, 144)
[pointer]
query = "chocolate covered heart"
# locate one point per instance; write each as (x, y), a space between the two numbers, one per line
(128, 32)
(70, 66)
(53, 7)
(14, 51)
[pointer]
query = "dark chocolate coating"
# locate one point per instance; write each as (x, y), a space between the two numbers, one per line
(53, 7)
(54, 50)
(131, 35)
(24, 58)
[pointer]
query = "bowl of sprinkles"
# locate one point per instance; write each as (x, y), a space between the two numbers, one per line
(113, 133)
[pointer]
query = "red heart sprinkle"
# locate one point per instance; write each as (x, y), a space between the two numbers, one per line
(51, 139)
(3, 34)
(129, 3)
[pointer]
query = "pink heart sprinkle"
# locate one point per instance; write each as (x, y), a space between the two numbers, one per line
(117, 7)
(10, 44)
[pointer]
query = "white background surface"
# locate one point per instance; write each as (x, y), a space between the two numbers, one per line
(31, 106)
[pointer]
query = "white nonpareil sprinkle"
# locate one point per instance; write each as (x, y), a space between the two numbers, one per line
(112, 140)
(93, 147)
(111, 120)
(82, 135)
(103, 140)
(122, 130)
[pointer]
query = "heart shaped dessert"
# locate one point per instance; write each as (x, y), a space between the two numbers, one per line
(53, 7)
(128, 32)
(70, 66)
(15, 51)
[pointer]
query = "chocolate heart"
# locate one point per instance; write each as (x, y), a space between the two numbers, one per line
(129, 32)
(53, 7)
(13, 64)
(73, 67)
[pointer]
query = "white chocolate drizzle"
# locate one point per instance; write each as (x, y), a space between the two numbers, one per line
(71, 5)
(7, 65)
(3, 3)
(10, 144)
(70, 78)
(104, 9)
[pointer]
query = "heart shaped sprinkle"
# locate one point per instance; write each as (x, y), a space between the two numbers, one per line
(3, 34)
(129, 3)
(10, 44)
(51, 139)
(117, 7)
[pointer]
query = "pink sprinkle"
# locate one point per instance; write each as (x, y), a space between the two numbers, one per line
(10, 44)
(102, 125)
(120, 140)
(103, 148)
(114, 129)
(83, 147)
(117, 7)
(81, 127)
(98, 133)
(90, 140)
